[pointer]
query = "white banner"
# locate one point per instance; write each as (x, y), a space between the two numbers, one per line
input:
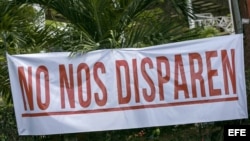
(179, 83)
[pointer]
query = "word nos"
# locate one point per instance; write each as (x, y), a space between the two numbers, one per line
(135, 80)
(240, 132)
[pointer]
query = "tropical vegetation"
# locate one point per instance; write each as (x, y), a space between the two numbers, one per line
(80, 26)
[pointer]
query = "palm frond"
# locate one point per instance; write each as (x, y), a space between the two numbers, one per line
(101, 24)
(19, 34)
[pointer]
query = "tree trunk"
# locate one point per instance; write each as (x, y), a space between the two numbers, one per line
(244, 6)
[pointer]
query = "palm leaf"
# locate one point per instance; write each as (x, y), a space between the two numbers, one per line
(105, 23)
(19, 34)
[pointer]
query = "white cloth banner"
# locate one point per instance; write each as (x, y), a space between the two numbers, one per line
(179, 83)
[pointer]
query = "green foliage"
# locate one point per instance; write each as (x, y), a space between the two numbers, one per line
(8, 128)
(13, 21)
(95, 24)
(209, 32)
(19, 34)
(5, 84)
(91, 25)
